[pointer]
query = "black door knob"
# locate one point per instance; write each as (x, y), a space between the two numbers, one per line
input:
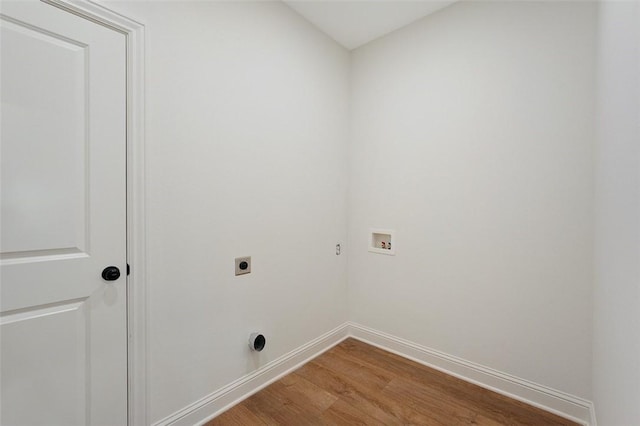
(110, 273)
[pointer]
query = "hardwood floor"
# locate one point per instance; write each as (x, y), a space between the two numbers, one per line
(355, 383)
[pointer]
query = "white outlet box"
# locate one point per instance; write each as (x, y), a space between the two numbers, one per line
(382, 241)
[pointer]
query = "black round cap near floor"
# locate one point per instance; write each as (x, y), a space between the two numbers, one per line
(259, 342)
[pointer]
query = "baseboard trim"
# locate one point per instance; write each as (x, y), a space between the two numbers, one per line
(560, 403)
(217, 402)
(571, 407)
(592, 413)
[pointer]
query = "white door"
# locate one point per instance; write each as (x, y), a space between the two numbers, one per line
(63, 334)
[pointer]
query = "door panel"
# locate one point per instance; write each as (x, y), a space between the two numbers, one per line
(44, 185)
(59, 333)
(63, 195)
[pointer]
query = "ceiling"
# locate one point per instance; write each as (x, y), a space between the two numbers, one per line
(353, 23)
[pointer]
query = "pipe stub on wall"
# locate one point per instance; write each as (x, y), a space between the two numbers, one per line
(257, 342)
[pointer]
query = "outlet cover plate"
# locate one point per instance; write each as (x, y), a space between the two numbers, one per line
(243, 265)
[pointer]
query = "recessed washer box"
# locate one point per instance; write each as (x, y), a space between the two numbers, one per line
(382, 241)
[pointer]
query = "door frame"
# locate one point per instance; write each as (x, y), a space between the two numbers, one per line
(137, 340)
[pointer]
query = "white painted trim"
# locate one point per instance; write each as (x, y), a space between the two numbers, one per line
(221, 400)
(571, 407)
(136, 199)
(592, 413)
(568, 406)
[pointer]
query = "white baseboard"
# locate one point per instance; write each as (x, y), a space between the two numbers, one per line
(215, 403)
(592, 413)
(571, 407)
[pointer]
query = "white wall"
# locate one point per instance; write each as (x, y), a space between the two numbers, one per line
(247, 121)
(472, 137)
(616, 361)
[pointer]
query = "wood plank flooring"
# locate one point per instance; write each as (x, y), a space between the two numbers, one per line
(358, 384)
